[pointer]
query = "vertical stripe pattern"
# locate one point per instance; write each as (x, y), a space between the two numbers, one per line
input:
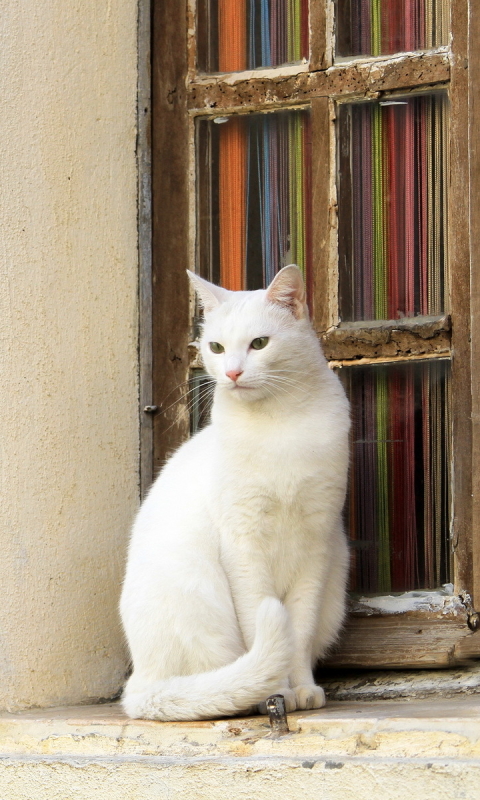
(260, 196)
(398, 510)
(382, 27)
(259, 33)
(395, 207)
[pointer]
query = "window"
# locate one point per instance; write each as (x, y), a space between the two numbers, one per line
(343, 137)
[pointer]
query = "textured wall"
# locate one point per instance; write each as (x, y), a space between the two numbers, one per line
(68, 336)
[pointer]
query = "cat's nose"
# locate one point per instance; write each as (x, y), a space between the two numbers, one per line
(234, 374)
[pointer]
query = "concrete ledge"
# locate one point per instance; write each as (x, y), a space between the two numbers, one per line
(393, 749)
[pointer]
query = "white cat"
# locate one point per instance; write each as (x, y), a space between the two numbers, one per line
(237, 566)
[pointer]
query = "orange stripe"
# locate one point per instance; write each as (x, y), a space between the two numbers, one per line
(232, 206)
(232, 35)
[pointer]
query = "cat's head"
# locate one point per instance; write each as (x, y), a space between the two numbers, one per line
(254, 343)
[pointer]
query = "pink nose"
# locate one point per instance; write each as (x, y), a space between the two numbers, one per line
(233, 374)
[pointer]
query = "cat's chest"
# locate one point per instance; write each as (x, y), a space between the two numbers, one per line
(281, 466)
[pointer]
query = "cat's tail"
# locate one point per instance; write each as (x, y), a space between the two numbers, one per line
(229, 690)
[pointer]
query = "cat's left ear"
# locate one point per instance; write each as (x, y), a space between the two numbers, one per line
(209, 294)
(288, 290)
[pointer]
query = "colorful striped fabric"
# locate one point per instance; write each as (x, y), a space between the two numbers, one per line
(257, 181)
(392, 207)
(257, 33)
(382, 27)
(398, 506)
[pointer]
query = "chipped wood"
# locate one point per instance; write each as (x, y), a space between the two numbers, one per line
(170, 219)
(196, 34)
(319, 289)
(407, 337)
(474, 169)
(394, 642)
(460, 295)
(248, 91)
(320, 53)
(335, 363)
(144, 189)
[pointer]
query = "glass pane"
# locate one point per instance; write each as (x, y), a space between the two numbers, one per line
(254, 202)
(393, 175)
(245, 34)
(381, 27)
(398, 508)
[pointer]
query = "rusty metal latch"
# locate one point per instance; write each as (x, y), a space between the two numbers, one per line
(473, 617)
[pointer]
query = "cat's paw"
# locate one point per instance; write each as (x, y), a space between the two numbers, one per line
(309, 696)
(290, 702)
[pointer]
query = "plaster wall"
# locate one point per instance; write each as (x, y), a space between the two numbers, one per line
(68, 344)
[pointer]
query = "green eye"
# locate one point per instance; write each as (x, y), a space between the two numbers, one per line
(260, 343)
(216, 347)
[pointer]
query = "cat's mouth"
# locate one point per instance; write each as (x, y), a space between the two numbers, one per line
(232, 387)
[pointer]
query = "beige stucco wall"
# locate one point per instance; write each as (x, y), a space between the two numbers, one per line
(68, 343)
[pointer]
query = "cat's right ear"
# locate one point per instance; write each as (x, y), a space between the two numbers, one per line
(288, 290)
(209, 294)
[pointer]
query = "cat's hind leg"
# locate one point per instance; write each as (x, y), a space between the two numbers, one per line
(179, 618)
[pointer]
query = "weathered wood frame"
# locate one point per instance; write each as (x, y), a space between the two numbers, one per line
(427, 637)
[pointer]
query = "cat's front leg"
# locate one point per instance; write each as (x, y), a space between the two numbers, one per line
(249, 586)
(251, 582)
(303, 604)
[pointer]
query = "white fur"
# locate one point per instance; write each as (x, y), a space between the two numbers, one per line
(237, 566)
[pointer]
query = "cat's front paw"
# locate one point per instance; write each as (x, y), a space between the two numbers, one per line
(309, 696)
(290, 701)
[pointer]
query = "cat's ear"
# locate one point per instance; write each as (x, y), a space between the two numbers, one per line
(288, 290)
(209, 295)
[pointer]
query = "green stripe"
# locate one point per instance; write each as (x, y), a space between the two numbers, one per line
(376, 24)
(379, 261)
(300, 256)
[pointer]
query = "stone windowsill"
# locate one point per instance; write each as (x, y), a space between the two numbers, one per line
(347, 750)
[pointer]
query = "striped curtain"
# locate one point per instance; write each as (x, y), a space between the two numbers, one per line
(259, 185)
(382, 27)
(393, 204)
(258, 33)
(398, 509)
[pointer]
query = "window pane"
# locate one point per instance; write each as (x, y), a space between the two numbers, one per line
(378, 27)
(254, 206)
(245, 34)
(393, 173)
(397, 511)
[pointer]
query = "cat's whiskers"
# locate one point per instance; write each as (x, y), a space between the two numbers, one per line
(183, 397)
(280, 376)
(283, 384)
(191, 401)
(275, 396)
(202, 396)
(182, 383)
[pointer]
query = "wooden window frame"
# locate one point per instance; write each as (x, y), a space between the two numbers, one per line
(426, 637)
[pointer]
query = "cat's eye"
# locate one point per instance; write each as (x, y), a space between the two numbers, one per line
(216, 347)
(259, 343)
